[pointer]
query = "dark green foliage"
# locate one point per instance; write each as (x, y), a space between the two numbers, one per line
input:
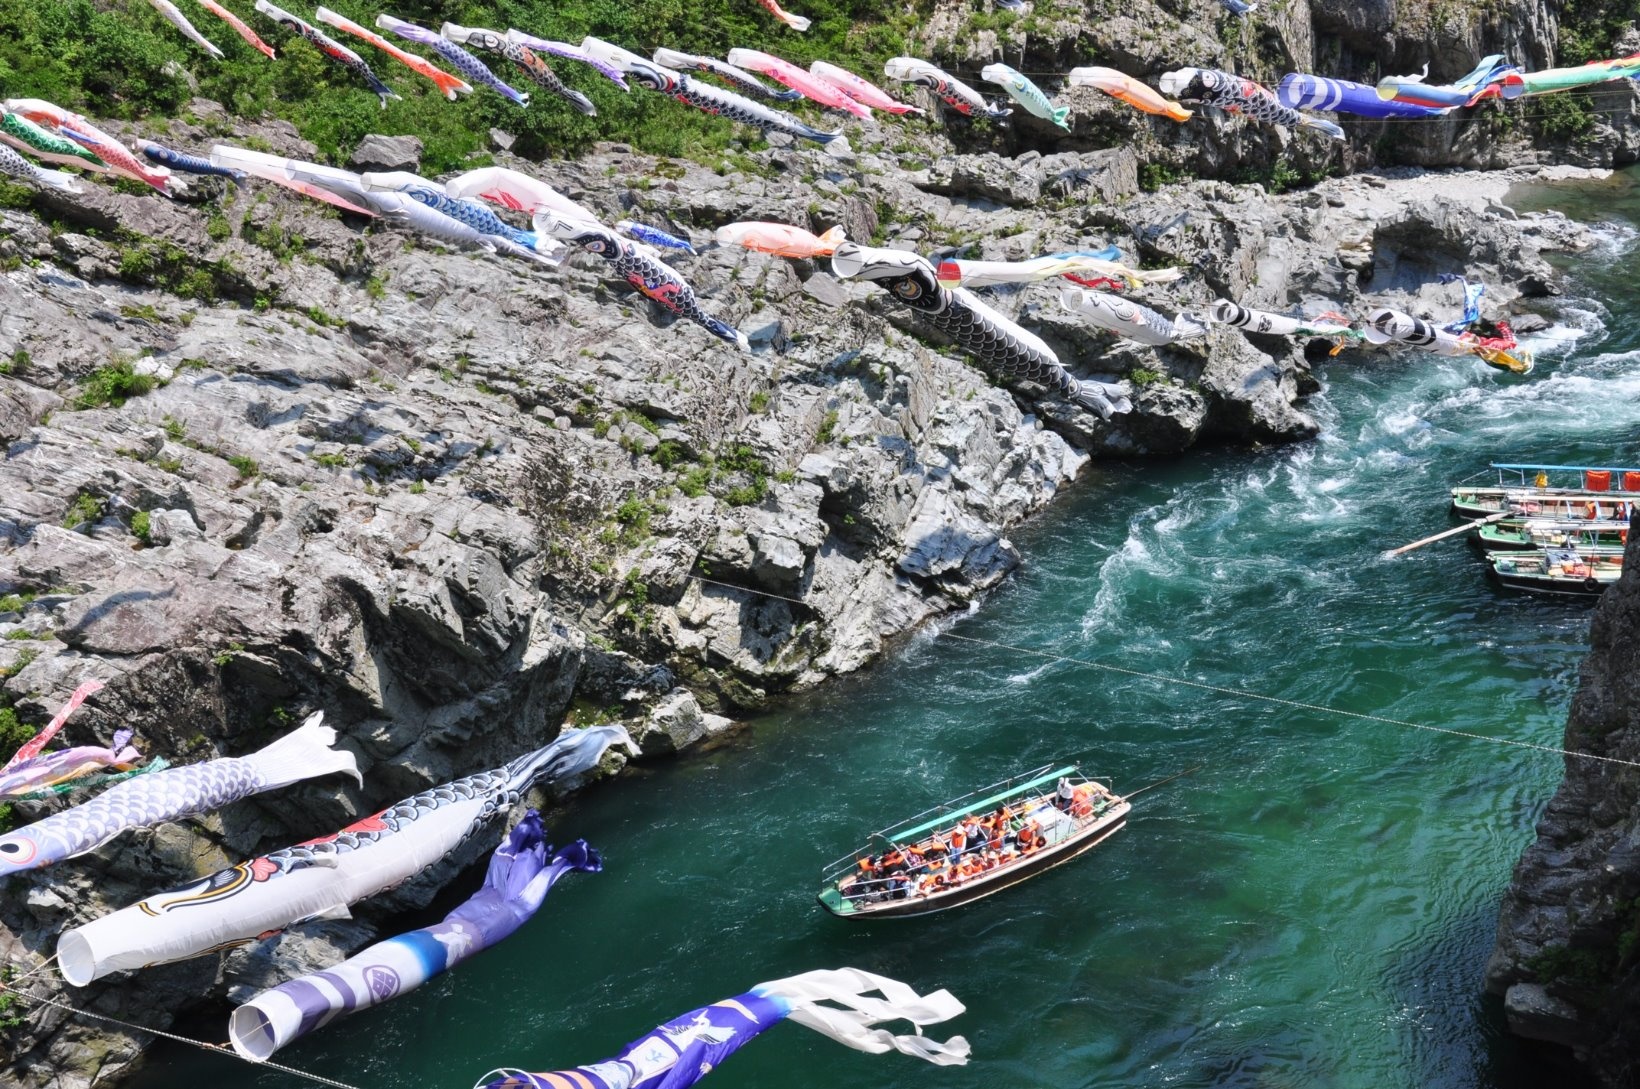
(1564, 116)
(108, 59)
(113, 384)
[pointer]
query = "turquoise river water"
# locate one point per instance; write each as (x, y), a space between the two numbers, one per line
(1312, 908)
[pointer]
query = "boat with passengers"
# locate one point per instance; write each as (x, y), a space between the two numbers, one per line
(1549, 491)
(974, 846)
(1556, 571)
(1534, 533)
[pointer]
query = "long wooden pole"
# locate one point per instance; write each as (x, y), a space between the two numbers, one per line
(1465, 528)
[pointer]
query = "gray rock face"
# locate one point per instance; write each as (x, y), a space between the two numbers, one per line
(377, 152)
(1564, 959)
(454, 500)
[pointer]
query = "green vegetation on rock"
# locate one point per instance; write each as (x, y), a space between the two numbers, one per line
(116, 59)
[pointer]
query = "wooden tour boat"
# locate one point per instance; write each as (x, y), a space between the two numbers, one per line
(1550, 491)
(1556, 571)
(1032, 823)
(1534, 533)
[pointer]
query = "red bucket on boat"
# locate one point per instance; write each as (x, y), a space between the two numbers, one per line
(1597, 480)
(1631, 481)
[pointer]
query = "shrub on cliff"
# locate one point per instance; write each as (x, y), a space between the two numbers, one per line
(120, 59)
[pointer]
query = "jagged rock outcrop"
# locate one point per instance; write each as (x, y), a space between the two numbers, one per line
(1566, 958)
(259, 459)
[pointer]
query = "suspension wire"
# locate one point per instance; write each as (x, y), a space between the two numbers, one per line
(1241, 693)
(10, 987)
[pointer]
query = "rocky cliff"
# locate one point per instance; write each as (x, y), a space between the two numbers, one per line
(261, 460)
(1566, 958)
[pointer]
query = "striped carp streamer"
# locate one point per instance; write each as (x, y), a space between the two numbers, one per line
(738, 78)
(1027, 94)
(1225, 312)
(1386, 325)
(997, 343)
(31, 768)
(1484, 81)
(20, 168)
(330, 47)
(464, 62)
(1123, 87)
(54, 769)
(278, 170)
(569, 52)
(122, 162)
(780, 239)
(946, 87)
(1140, 324)
(1301, 92)
(532, 244)
(447, 84)
(522, 871)
(322, 877)
(26, 136)
(641, 267)
(1234, 94)
(840, 1004)
(805, 83)
(538, 70)
(704, 96)
(238, 26)
(170, 795)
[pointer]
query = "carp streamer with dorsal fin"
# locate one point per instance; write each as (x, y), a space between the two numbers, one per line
(522, 871)
(997, 343)
(322, 877)
(840, 1004)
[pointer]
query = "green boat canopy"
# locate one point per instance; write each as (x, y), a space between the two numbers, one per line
(983, 803)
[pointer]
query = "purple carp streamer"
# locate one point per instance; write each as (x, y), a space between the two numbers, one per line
(642, 268)
(569, 52)
(839, 1004)
(534, 67)
(54, 769)
(471, 68)
(1237, 95)
(522, 871)
(330, 47)
(170, 795)
(321, 877)
(996, 342)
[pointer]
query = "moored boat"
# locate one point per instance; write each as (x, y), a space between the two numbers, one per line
(1550, 491)
(1534, 533)
(974, 846)
(1556, 571)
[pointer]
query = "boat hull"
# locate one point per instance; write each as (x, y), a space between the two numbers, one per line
(978, 888)
(1559, 586)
